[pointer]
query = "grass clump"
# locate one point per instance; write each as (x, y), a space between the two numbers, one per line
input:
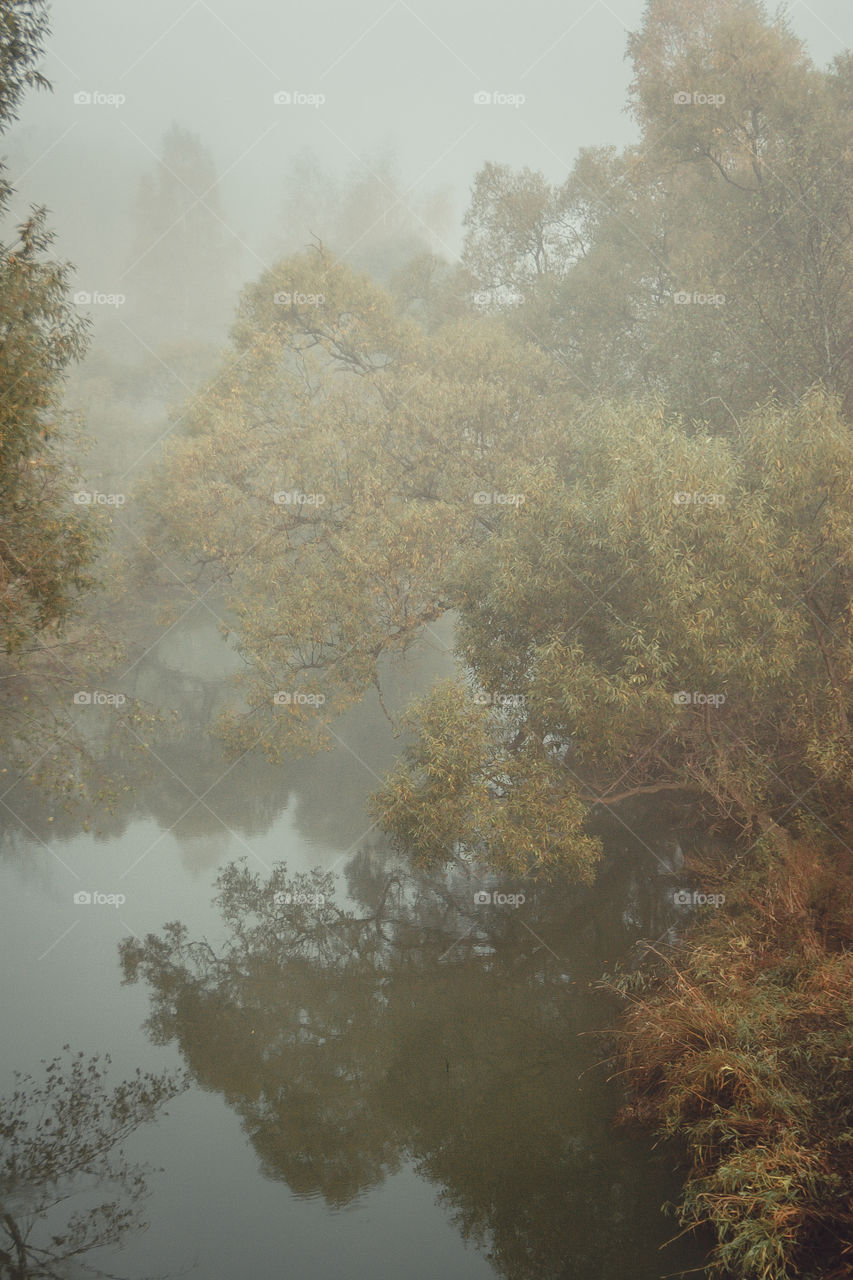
(742, 1049)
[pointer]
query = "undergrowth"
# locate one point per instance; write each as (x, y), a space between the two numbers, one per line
(740, 1046)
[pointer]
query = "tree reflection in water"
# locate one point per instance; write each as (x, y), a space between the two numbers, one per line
(414, 1026)
(62, 1155)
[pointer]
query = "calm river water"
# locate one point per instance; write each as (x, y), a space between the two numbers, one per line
(406, 1089)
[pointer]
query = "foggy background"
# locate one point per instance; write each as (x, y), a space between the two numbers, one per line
(398, 79)
(173, 178)
(183, 179)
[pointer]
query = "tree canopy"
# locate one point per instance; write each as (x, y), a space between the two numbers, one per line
(641, 607)
(710, 262)
(624, 467)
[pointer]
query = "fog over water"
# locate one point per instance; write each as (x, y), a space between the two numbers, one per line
(396, 1065)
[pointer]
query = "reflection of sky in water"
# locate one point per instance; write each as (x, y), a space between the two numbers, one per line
(216, 1205)
(61, 957)
(211, 1207)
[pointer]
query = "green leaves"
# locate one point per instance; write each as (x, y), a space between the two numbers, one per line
(47, 544)
(463, 788)
(328, 482)
(675, 604)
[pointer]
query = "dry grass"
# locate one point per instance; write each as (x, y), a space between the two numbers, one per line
(744, 1052)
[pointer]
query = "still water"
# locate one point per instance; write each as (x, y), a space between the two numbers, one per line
(389, 1076)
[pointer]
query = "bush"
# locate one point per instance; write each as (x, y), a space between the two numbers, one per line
(742, 1051)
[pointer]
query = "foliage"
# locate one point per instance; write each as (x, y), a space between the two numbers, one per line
(741, 1049)
(462, 787)
(326, 481)
(655, 364)
(46, 544)
(369, 216)
(711, 261)
(61, 1138)
(50, 535)
(651, 644)
(181, 269)
(663, 610)
(23, 28)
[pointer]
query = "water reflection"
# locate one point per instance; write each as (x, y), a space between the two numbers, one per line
(399, 1025)
(413, 1024)
(155, 758)
(66, 1187)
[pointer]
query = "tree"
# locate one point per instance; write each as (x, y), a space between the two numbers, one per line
(51, 531)
(366, 217)
(329, 477)
(471, 785)
(520, 230)
(649, 610)
(182, 259)
(711, 262)
(667, 612)
(47, 544)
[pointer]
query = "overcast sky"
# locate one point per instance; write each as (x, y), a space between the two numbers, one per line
(399, 73)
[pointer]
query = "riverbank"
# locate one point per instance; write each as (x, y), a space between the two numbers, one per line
(738, 1044)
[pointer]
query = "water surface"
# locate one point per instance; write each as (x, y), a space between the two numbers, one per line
(398, 1081)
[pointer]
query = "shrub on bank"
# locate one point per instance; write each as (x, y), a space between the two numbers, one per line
(741, 1047)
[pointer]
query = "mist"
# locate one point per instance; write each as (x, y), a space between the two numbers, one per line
(426, 593)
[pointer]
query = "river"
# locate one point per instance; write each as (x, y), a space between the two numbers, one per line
(389, 1076)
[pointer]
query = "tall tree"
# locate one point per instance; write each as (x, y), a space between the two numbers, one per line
(46, 542)
(712, 262)
(328, 477)
(180, 274)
